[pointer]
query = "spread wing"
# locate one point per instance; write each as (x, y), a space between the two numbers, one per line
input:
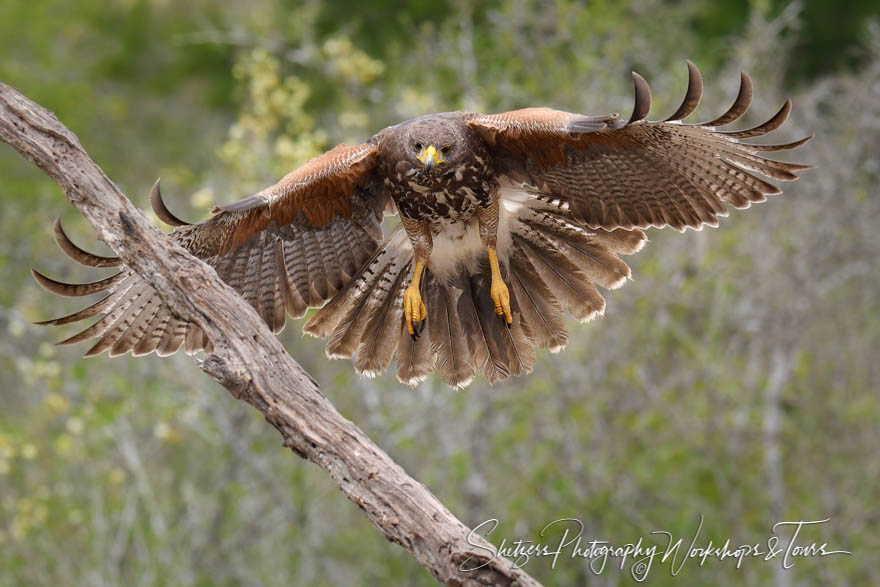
(613, 173)
(288, 248)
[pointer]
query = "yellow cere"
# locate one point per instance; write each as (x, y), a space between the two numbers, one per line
(431, 152)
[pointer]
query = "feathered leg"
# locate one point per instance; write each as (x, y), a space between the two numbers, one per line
(414, 311)
(488, 218)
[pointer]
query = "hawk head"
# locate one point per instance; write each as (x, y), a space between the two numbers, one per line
(435, 144)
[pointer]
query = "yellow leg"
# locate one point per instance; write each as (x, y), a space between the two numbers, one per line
(414, 310)
(498, 290)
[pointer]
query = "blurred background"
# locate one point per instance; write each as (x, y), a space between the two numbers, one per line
(735, 378)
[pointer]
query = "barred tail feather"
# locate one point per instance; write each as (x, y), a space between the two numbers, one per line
(476, 336)
(378, 345)
(413, 356)
(450, 347)
(512, 350)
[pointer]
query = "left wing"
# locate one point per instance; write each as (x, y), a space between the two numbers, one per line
(630, 174)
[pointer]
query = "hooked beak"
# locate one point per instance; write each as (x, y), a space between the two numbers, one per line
(430, 157)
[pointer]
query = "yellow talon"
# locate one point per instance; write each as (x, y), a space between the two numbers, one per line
(414, 310)
(501, 299)
(498, 290)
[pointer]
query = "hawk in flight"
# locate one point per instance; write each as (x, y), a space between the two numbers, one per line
(507, 221)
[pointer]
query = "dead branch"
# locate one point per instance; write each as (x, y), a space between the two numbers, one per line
(250, 362)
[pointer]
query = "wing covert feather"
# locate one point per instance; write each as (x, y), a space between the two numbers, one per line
(316, 191)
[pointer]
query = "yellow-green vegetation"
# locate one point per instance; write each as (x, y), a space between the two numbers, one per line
(735, 378)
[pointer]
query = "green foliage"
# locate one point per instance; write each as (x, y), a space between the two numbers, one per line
(728, 345)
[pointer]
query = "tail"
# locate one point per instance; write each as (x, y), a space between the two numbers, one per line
(551, 265)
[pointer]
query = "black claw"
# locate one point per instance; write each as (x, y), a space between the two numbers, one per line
(503, 318)
(418, 328)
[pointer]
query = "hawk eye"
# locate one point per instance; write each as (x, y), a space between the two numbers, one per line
(418, 146)
(445, 150)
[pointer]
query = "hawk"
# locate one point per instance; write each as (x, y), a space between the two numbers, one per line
(507, 221)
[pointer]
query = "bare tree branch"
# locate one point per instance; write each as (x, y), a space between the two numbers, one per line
(251, 363)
